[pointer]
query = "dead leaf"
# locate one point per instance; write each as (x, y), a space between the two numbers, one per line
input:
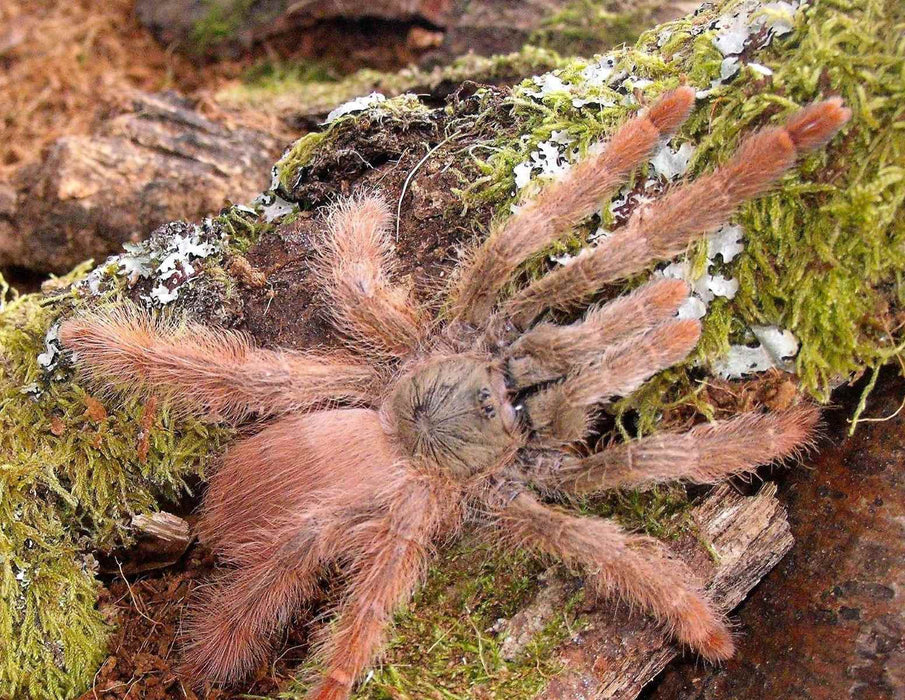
(96, 410)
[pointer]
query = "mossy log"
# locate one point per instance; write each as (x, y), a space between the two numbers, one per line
(822, 257)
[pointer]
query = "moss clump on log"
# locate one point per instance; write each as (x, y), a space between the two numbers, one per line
(582, 27)
(288, 91)
(74, 468)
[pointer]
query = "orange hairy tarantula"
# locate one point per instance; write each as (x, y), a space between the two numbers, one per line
(461, 419)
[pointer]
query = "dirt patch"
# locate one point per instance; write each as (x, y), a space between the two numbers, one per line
(144, 650)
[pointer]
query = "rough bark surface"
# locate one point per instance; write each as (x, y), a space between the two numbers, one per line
(242, 24)
(159, 162)
(441, 29)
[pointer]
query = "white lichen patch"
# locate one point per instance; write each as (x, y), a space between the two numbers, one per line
(359, 104)
(273, 207)
(775, 347)
(551, 158)
(725, 244)
(606, 83)
(47, 360)
(750, 25)
(672, 164)
(168, 259)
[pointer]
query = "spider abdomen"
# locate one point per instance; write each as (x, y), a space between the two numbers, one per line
(293, 465)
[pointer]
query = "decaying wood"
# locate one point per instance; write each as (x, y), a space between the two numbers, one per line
(618, 653)
(161, 539)
(159, 162)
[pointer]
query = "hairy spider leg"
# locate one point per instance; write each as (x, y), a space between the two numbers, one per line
(619, 565)
(391, 555)
(230, 627)
(549, 351)
(561, 413)
(561, 205)
(215, 374)
(293, 464)
(663, 229)
(355, 265)
(706, 454)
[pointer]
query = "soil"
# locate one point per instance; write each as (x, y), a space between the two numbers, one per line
(144, 650)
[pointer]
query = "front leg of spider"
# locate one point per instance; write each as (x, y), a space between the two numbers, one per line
(426, 437)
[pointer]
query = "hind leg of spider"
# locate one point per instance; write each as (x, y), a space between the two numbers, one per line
(229, 633)
(390, 555)
(706, 454)
(561, 413)
(213, 373)
(355, 266)
(562, 204)
(664, 228)
(619, 565)
(550, 351)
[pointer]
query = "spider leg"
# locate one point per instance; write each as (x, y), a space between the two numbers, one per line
(706, 454)
(549, 351)
(560, 413)
(391, 553)
(664, 228)
(631, 567)
(354, 267)
(230, 632)
(214, 373)
(562, 204)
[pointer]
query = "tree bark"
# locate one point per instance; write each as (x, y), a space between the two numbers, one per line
(159, 162)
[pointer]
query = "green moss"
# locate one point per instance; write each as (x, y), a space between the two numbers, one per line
(274, 76)
(584, 27)
(221, 21)
(71, 477)
(298, 89)
(244, 227)
(444, 645)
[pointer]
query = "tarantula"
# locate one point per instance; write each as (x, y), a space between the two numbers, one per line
(368, 463)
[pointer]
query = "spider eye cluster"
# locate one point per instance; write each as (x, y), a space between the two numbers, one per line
(485, 401)
(454, 413)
